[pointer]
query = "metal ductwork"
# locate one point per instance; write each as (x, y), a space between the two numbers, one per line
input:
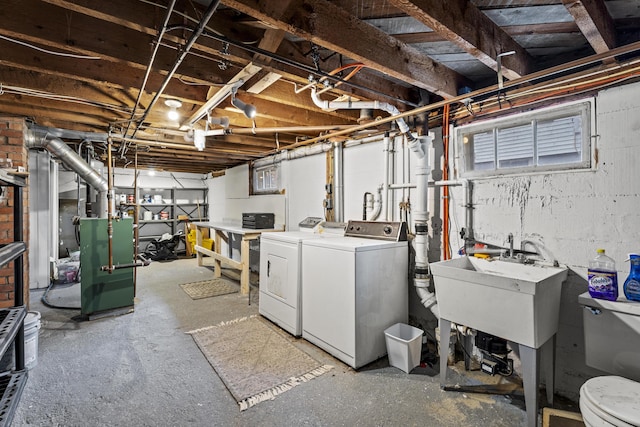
(49, 139)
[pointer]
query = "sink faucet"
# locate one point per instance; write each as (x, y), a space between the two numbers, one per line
(510, 240)
(541, 250)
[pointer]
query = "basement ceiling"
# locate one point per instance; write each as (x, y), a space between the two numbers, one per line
(108, 67)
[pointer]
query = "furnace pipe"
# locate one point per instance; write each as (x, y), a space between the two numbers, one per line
(40, 137)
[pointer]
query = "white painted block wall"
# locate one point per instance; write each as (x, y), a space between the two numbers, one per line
(574, 213)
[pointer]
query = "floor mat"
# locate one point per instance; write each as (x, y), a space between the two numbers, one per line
(210, 288)
(255, 361)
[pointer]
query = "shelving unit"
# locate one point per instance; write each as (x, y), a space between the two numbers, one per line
(12, 319)
(181, 204)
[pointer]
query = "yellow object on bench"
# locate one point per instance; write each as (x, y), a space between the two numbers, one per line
(191, 241)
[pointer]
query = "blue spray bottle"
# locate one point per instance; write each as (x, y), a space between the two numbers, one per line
(631, 286)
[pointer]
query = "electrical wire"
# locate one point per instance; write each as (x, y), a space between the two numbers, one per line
(46, 302)
(558, 90)
(15, 90)
(50, 52)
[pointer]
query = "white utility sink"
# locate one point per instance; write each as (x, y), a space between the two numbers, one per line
(517, 302)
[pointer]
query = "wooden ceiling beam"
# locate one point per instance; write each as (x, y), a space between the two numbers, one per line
(147, 18)
(94, 73)
(43, 24)
(325, 24)
(512, 30)
(462, 23)
(593, 19)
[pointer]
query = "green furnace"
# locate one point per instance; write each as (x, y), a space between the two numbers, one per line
(101, 292)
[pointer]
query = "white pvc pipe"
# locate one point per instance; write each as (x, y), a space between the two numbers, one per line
(420, 213)
(385, 184)
(358, 105)
(392, 177)
(338, 184)
(377, 205)
(401, 186)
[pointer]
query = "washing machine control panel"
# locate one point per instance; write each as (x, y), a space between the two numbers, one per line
(383, 230)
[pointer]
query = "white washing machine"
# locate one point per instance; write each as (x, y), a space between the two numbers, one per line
(353, 288)
(280, 272)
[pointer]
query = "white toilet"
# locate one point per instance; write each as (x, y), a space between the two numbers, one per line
(612, 344)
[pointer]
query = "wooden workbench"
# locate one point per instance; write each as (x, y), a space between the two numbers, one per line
(222, 230)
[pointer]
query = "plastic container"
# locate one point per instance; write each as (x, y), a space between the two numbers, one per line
(631, 287)
(31, 331)
(404, 346)
(603, 277)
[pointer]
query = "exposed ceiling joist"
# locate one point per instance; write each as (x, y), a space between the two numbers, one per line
(593, 19)
(462, 23)
(329, 26)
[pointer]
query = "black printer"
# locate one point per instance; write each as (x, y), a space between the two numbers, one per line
(258, 220)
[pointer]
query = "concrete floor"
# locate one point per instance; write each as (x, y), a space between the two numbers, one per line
(142, 369)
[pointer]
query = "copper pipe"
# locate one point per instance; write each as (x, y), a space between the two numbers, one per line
(109, 206)
(136, 220)
(445, 177)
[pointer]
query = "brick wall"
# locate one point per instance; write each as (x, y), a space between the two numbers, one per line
(12, 131)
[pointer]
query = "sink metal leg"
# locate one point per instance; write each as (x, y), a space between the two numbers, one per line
(548, 357)
(529, 359)
(468, 346)
(445, 335)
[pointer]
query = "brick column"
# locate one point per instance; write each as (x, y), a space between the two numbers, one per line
(12, 137)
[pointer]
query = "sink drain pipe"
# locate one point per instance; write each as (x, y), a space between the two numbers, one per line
(422, 276)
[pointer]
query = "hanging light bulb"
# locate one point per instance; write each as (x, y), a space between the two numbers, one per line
(222, 121)
(173, 105)
(248, 109)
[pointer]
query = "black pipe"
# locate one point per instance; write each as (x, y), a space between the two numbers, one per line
(183, 53)
(130, 265)
(308, 68)
(364, 205)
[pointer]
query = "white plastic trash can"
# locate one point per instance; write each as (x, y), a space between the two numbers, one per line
(404, 346)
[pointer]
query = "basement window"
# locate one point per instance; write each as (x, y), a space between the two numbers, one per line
(266, 179)
(556, 138)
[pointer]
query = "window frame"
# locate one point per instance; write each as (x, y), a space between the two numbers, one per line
(256, 170)
(585, 108)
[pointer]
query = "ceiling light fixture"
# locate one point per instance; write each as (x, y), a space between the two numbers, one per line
(248, 109)
(222, 121)
(173, 105)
